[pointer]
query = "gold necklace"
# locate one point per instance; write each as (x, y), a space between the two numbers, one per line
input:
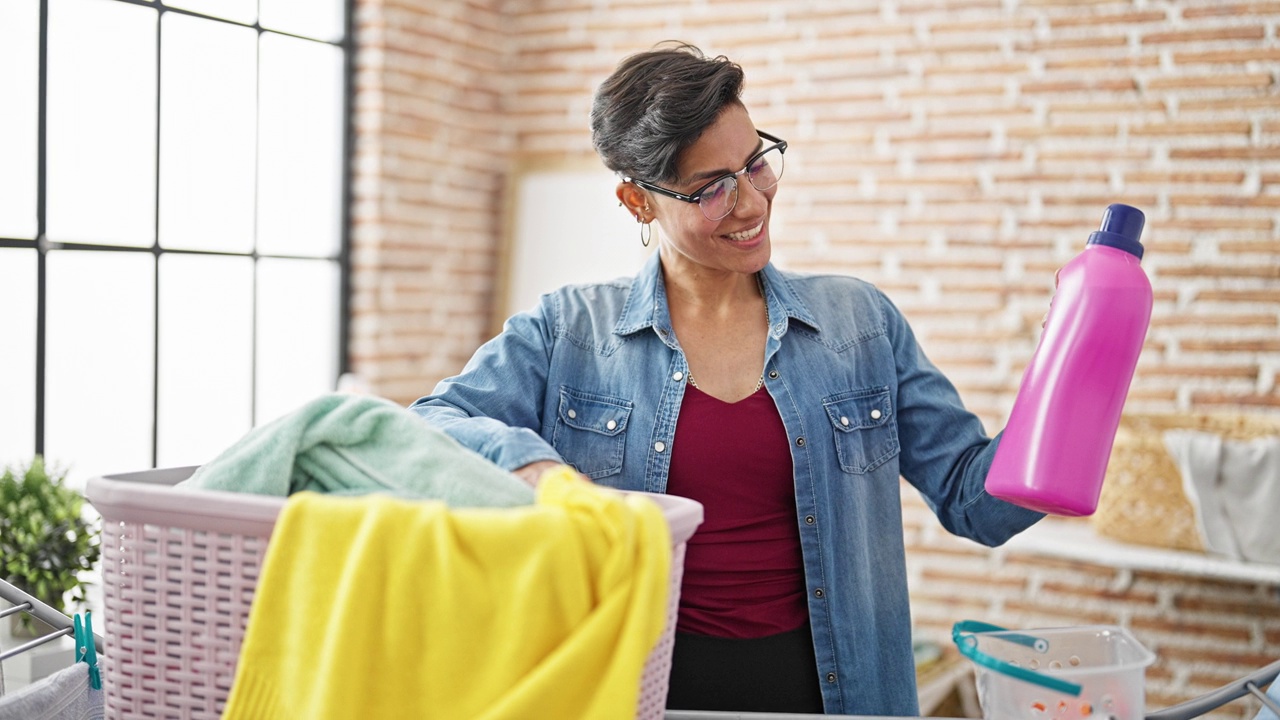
(760, 382)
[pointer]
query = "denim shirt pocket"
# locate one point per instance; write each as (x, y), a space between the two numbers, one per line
(590, 432)
(866, 434)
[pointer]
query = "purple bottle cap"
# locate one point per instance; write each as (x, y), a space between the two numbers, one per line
(1121, 228)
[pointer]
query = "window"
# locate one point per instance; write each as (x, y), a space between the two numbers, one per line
(173, 227)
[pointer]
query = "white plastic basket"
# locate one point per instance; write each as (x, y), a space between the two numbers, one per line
(179, 571)
(1090, 672)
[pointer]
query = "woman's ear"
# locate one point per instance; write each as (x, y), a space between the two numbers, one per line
(635, 201)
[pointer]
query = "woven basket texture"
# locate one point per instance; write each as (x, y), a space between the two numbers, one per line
(1142, 500)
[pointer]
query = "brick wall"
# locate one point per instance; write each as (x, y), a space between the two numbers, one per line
(432, 151)
(955, 152)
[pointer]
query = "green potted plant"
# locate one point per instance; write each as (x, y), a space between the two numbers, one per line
(45, 541)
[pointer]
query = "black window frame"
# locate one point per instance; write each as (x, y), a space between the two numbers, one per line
(43, 245)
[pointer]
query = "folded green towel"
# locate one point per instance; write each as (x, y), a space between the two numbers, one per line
(358, 444)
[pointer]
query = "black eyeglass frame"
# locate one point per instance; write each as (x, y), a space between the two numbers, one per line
(696, 196)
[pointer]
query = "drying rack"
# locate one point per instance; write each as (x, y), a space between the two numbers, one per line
(1250, 685)
(25, 602)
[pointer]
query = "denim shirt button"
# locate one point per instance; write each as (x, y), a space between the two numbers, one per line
(800, 441)
(875, 414)
(831, 677)
(660, 446)
(809, 519)
(818, 593)
(844, 421)
(678, 376)
(611, 424)
(773, 374)
(572, 413)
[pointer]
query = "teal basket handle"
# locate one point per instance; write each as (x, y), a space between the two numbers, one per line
(962, 635)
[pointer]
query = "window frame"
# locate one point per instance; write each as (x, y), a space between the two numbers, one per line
(42, 245)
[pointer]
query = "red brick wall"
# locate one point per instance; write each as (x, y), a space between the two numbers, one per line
(955, 152)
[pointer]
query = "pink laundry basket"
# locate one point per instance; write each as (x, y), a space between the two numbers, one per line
(179, 571)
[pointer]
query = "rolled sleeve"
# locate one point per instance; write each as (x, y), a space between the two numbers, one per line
(494, 406)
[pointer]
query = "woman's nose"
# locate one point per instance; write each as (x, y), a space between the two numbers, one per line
(751, 202)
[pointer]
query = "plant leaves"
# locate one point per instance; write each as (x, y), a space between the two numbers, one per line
(44, 539)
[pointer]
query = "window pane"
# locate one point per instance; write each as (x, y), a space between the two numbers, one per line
(319, 19)
(102, 122)
(243, 11)
(99, 361)
(297, 334)
(19, 95)
(300, 147)
(206, 356)
(18, 356)
(207, 132)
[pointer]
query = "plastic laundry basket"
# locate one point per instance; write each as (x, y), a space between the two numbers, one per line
(179, 571)
(1096, 671)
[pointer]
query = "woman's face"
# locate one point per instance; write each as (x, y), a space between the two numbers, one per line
(738, 242)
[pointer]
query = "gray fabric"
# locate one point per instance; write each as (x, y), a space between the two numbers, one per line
(1234, 487)
(65, 695)
(1197, 455)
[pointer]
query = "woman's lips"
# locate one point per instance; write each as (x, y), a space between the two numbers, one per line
(748, 234)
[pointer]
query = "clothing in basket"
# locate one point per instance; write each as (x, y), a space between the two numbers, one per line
(377, 607)
(1234, 489)
(355, 444)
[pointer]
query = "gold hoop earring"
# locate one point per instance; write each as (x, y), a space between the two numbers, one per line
(646, 233)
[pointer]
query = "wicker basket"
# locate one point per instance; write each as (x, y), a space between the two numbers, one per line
(180, 570)
(1142, 499)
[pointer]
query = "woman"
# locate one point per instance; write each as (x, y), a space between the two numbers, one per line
(789, 405)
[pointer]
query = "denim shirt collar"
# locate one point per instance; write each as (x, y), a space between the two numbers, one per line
(646, 305)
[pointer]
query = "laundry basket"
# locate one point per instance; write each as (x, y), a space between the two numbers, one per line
(180, 567)
(1090, 672)
(1143, 501)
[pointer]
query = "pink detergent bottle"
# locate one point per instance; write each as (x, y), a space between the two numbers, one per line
(1053, 454)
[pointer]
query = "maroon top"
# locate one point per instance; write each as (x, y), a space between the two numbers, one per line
(743, 570)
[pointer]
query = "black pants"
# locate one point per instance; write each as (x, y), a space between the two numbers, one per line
(777, 673)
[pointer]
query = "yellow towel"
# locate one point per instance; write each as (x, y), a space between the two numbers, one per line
(376, 607)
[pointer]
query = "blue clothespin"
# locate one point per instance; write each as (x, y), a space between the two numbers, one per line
(86, 652)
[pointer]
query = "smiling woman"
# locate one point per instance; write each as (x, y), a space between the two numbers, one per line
(812, 398)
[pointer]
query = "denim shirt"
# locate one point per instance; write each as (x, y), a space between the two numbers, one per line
(594, 376)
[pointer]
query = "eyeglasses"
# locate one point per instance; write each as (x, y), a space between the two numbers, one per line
(719, 197)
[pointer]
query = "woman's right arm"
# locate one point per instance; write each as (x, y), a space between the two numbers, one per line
(494, 406)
